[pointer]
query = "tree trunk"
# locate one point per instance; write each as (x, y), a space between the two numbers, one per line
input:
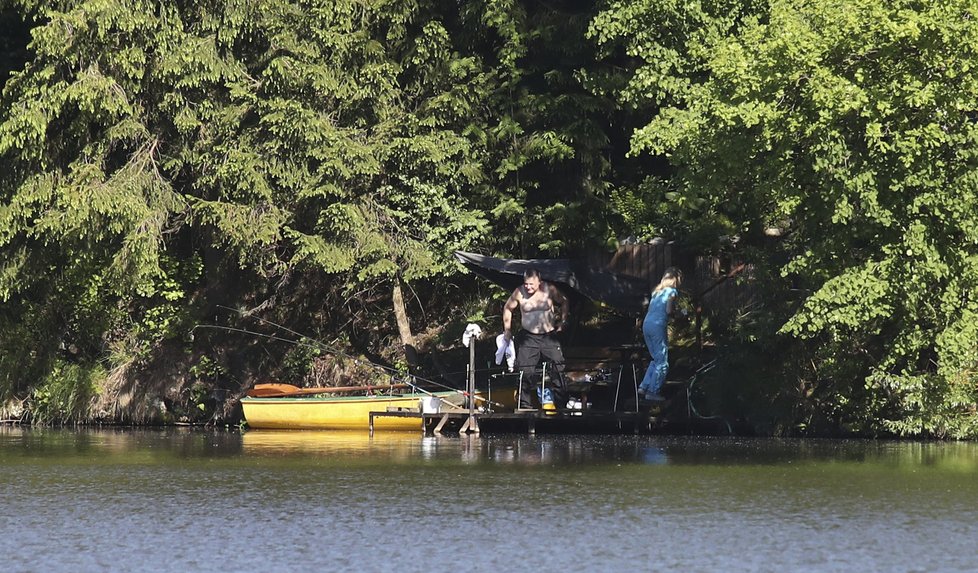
(404, 327)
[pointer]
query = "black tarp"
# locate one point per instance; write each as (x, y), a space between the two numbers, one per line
(625, 294)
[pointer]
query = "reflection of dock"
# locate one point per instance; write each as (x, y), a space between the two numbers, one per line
(573, 421)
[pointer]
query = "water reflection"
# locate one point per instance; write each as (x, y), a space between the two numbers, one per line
(211, 500)
(397, 445)
(577, 450)
(402, 447)
(118, 443)
(128, 446)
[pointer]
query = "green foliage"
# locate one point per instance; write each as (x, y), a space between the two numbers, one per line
(287, 137)
(849, 124)
(551, 135)
(206, 367)
(161, 156)
(664, 48)
(160, 159)
(298, 361)
(670, 44)
(65, 395)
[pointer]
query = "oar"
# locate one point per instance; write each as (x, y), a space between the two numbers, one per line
(277, 390)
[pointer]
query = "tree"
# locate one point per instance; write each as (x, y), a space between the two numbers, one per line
(659, 54)
(287, 137)
(851, 125)
(554, 136)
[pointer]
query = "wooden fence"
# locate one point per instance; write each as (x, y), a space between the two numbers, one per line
(712, 282)
(644, 261)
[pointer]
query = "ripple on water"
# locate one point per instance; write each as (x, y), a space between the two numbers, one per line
(288, 501)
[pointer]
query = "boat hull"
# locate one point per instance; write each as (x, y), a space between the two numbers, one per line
(336, 413)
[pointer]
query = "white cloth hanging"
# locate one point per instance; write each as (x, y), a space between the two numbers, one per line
(505, 348)
(472, 331)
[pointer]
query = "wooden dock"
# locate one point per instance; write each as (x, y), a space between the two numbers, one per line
(618, 409)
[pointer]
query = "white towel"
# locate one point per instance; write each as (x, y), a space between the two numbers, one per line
(472, 331)
(505, 348)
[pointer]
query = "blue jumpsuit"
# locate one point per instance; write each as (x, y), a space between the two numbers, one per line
(654, 329)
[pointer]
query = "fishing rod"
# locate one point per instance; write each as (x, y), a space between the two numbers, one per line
(317, 345)
(323, 346)
(313, 343)
(335, 350)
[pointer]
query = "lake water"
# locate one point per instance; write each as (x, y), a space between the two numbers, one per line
(194, 500)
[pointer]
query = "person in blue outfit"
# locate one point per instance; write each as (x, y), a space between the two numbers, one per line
(661, 307)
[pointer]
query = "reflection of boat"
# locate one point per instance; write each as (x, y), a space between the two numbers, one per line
(336, 413)
(330, 442)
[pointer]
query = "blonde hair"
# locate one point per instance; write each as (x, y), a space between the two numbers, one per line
(672, 277)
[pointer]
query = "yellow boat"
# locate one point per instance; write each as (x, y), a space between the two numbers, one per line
(337, 413)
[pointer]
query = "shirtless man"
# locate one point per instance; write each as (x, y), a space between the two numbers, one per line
(536, 300)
